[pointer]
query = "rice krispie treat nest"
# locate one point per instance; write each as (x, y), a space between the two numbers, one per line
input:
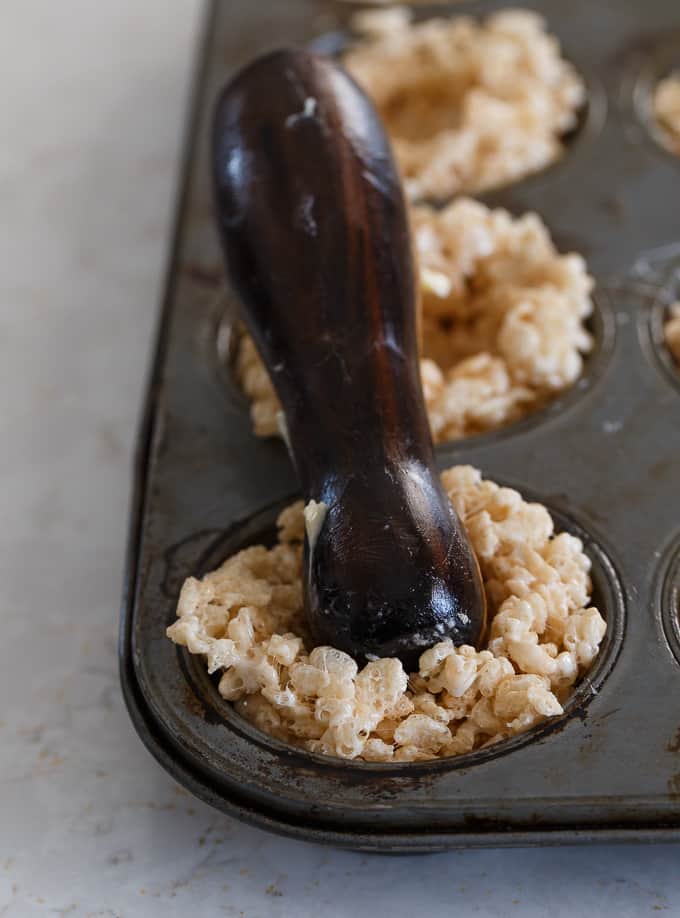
(468, 105)
(672, 331)
(503, 318)
(667, 110)
(247, 619)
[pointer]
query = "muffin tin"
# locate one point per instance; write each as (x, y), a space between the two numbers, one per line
(604, 458)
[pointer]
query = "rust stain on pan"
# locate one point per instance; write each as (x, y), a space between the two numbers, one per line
(674, 786)
(674, 744)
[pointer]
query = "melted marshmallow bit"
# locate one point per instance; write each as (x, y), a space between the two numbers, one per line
(315, 513)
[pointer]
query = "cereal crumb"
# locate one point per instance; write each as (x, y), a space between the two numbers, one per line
(667, 110)
(246, 619)
(469, 105)
(503, 318)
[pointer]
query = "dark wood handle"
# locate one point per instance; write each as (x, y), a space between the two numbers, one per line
(316, 239)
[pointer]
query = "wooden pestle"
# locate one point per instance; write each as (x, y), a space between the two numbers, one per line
(316, 239)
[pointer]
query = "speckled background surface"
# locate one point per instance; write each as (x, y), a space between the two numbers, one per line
(92, 98)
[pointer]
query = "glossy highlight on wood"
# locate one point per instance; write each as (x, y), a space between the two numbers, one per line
(316, 239)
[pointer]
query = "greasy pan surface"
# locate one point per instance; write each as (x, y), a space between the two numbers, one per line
(605, 458)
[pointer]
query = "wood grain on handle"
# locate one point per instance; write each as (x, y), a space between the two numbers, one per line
(316, 239)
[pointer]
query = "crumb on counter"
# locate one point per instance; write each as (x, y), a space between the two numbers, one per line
(667, 110)
(672, 331)
(503, 318)
(468, 105)
(247, 619)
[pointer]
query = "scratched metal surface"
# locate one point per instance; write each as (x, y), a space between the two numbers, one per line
(605, 459)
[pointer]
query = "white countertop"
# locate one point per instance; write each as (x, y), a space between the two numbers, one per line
(92, 98)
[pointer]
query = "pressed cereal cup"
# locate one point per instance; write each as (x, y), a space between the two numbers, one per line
(600, 325)
(605, 464)
(607, 594)
(519, 391)
(588, 113)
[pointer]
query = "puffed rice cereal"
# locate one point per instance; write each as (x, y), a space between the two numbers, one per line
(672, 331)
(468, 105)
(667, 110)
(246, 619)
(502, 321)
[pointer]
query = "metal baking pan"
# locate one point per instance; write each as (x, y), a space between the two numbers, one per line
(605, 458)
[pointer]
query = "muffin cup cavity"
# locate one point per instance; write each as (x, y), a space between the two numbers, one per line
(668, 594)
(656, 278)
(646, 92)
(608, 595)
